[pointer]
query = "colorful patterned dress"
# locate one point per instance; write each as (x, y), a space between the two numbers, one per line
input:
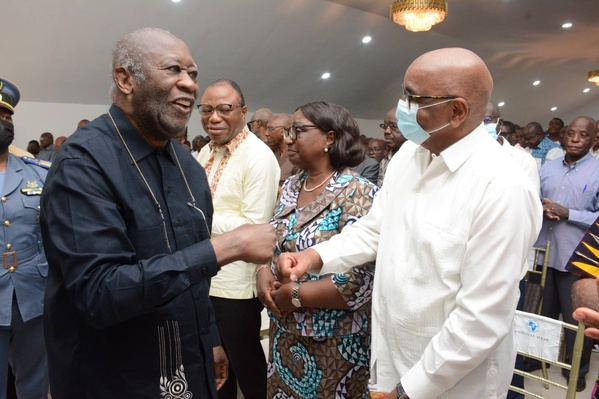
(314, 352)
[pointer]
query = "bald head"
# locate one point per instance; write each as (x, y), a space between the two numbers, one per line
(462, 84)
(455, 72)
(58, 142)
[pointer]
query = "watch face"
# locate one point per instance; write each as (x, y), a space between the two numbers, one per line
(296, 302)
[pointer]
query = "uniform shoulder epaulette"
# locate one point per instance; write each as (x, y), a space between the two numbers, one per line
(38, 162)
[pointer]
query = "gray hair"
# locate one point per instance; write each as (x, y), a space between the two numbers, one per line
(128, 53)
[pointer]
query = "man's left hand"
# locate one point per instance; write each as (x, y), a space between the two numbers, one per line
(221, 366)
(554, 211)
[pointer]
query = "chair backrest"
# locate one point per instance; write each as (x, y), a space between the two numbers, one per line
(535, 280)
(539, 338)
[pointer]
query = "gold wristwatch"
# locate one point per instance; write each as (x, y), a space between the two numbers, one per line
(295, 299)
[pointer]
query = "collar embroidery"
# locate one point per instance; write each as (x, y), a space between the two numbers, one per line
(229, 149)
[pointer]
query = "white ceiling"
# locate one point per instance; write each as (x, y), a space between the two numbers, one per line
(59, 50)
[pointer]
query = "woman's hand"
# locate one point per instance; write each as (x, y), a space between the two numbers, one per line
(282, 298)
(265, 284)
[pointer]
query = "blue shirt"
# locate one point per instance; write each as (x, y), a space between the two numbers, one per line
(543, 148)
(577, 188)
(124, 317)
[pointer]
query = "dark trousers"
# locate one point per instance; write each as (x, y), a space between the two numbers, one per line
(22, 346)
(558, 299)
(238, 322)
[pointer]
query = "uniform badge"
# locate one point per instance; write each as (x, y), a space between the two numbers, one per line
(32, 189)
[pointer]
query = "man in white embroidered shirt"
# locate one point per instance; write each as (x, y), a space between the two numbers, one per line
(450, 231)
(243, 175)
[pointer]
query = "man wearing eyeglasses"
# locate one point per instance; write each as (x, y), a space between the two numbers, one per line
(450, 231)
(243, 174)
(394, 140)
(273, 138)
(259, 121)
(377, 149)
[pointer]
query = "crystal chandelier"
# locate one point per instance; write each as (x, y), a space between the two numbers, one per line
(418, 15)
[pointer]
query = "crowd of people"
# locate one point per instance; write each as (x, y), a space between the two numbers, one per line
(138, 263)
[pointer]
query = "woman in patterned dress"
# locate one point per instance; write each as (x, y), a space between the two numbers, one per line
(319, 345)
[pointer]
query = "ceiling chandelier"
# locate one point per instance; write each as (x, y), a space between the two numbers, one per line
(594, 77)
(418, 15)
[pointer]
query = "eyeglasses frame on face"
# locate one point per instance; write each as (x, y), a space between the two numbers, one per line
(392, 126)
(370, 149)
(409, 96)
(219, 112)
(291, 132)
(489, 118)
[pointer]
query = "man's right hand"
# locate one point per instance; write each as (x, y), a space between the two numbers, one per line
(292, 265)
(254, 243)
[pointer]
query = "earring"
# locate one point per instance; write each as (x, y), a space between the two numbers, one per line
(326, 149)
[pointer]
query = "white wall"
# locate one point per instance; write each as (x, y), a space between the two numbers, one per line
(34, 118)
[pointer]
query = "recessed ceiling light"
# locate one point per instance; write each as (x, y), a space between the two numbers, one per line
(553, 108)
(501, 104)
(536, 83)
(175, 1)
(326, 75)
(567, 25)
(366, 39)
(586, 90)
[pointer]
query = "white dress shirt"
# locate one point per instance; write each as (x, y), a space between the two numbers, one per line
(246, 193)
(450, 235)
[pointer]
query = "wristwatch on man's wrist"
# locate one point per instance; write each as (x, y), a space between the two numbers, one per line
(401, 393)
(295, 299)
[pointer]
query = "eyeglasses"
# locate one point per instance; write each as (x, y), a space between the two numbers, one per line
(411, 97)
(292, 132)
(392, 126)
(489, 118)
(273, 128)
(221, 109)
(369, 149)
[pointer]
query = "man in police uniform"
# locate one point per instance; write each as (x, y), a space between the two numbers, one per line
(23, 267)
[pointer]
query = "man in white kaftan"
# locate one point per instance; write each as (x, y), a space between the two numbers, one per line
(450, 231)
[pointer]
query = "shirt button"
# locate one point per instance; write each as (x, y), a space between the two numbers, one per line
(204, 271)
(8, 246)
(7, 223)
(383, 332)
(168, 190)
(3, 199)
(178, 222)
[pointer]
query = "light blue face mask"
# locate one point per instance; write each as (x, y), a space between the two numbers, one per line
(492, 130)
(408, 125)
